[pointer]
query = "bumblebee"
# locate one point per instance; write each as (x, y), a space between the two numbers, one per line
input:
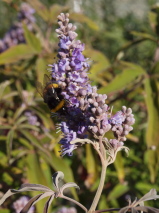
(51, 93)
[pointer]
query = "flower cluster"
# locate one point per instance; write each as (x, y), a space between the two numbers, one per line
(19, 204)
(32, 118)
(86, 109)
(15, 35)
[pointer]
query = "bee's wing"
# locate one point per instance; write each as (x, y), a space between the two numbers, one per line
(39, 88)
(46, 79)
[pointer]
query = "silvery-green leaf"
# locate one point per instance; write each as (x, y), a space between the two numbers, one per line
(124, 210)
(68, 185)
(151, 195)
(6, 195)
(57, 177)
(147, 209)
(32, 187)
(34, 200)
(25, 187)
(133, 210)
(48, 203)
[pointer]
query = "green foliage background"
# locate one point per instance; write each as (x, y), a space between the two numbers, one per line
(123, 52)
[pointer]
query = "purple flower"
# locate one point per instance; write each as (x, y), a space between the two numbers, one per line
(65, 42)
(86, 109)
(118, 118)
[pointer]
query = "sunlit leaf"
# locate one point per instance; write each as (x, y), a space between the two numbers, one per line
(119, 165)
(34, 141)
(100, 63)
(40, 9)
(118, 190)
(91, 166)
(84, 19)
(144, 35)
(19, 112)
(35, 174)
(41, 66)
(122, 80)
(152, 160)
(3, 85)
(9, 141)
(152, 102)
(16, 53)
(153, 20)
(32, 40)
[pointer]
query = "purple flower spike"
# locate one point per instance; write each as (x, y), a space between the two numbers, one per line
(86, 110)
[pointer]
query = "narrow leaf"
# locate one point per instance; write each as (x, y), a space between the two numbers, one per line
(84, 19)
(57, 177)
(32, 40)
(122, 80)
(100, 63)
(151, 195)
(117, 191)
(9, 141)
(34, 200)
(48, 203)
(152, 102)
(68, 185)
(16, 53)
(144, 35)
(147, 209)
(40, 9)
(91, 166)
(32, 187)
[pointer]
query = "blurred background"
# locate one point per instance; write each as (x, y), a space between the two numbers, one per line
(121, 38)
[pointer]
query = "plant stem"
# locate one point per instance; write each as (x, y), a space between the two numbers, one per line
(74, 201)
(102, 178)
(99, 190)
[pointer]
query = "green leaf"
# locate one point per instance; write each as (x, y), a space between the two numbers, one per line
(84, 19)
(18, 112)
(152, 19)
(3, 85)
(152, 160)
(91, 166)
(9, 142)
(34, 141)
(118, 191)
(144, 35)
(41, 66)
(155, 68)
(119, 165)
(16, 53)
(152, 102)
(36, 175)
(100, 63)
(122, 80)
(40, 9)
(32, 40)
